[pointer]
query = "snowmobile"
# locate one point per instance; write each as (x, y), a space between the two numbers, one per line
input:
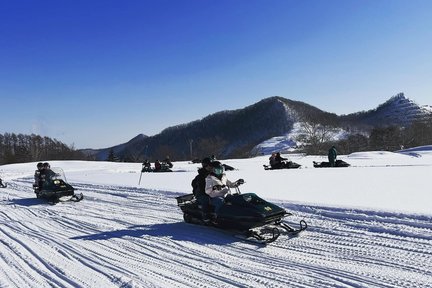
(338, 163)
(146, 169)
(165, 167)
(285, 165)
(246, 215)
(55, 188)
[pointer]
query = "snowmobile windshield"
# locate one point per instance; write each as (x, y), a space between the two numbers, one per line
(57, 173)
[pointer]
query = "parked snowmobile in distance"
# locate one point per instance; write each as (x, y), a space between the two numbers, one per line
(246, 215)
(55, 188)
(285, 165)
(338, 163)
(164, 167)
(146, 169)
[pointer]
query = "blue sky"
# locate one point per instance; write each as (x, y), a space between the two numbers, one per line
(97, 73)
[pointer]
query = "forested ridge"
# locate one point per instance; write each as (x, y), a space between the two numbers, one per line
(398, 123)
(21, 148)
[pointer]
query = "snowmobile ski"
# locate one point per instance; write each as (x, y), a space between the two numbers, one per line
(270, 233)
(324, 164)
(285, 165)
(73, 198)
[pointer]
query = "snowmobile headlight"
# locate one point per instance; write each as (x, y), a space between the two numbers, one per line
(56, 182)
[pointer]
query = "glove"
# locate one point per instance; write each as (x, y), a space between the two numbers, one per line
(239, 182)
(218, 187)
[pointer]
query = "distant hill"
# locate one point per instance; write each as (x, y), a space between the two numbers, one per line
(126, 150)
(398, 110)
(235, 133)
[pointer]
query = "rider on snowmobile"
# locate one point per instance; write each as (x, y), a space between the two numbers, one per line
(332, 154)
(198, 187)
(279, 161)
(38, 179)
(218, 186)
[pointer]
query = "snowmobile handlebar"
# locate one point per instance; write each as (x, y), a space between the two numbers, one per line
(239, 182)
(236, 183)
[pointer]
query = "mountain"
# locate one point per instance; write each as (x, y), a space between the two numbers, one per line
(398, 110)
(225, 133)
(125, 149)
(235, 133)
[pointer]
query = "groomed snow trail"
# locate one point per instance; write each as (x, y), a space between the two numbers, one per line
(130, 237)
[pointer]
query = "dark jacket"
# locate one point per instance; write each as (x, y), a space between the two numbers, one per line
(158, 166)
(332, 154)
(278, 161)
(198, 183)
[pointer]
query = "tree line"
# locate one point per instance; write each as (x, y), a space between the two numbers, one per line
(316, 137)
(20, 148)
(319, 137)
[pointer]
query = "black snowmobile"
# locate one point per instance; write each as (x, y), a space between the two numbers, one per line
(146, 169)
(165, 167)
(285, 165)
(338, 163)
(55, 188)
(246, 215)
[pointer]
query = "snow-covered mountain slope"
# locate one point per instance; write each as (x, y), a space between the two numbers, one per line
(128, 235)
(236, 133)
(398, 110)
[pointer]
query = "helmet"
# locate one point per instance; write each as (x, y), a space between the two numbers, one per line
(46, 165)
(217, 168)
(39, 165)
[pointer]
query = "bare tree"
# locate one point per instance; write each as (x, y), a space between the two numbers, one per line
(315, 136)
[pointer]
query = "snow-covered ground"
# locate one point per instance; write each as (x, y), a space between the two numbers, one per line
(369, 226)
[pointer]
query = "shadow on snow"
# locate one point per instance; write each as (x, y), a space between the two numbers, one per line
(177, 231)
(27, 201)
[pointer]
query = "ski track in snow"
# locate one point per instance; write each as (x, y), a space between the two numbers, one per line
(131, 237)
